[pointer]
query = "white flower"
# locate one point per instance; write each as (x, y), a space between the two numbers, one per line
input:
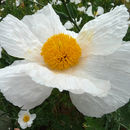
(112, 4)
(2, 9)
(25, 119)
(68, 25)
(35, 1)
(81, 9)
(89, 12)
(100, 11)
(2, 1)
(31, 6)
(59, 2)
(56, 2)
(78, 22)
(17, 3)
(89, 3)
(93, 65)
(75, 1)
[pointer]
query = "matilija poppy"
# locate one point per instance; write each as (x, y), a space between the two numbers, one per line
(92, 65)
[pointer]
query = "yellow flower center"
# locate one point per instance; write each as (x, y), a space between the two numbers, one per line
(61, 52)
(26, 118)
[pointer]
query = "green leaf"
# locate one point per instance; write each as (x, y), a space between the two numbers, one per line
(94, 123)
(72, 10)
(5, 122)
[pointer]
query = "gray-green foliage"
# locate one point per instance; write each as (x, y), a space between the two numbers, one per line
(57, 112)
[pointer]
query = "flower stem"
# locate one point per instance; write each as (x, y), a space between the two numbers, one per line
(71, 19)
(36, 2)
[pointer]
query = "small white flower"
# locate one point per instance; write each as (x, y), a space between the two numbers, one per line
(53, 2)
(33, 10)
(35, 1)
(89, 3)
(17, 3)
(81, 9)
(68, 25)
(100, 11)
(72, 1)
(78, 22)
(31, 6)
(2, 9)
(2, 1)
(56, 2)
(89, 11)
(75, 1)
(112, 4)
(25, 119)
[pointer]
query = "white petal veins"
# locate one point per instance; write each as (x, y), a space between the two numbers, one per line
(103, 35)
(45, 23)
(116, 69)
(63, 81)
(20, 89)
(18, 40)
(43, 76)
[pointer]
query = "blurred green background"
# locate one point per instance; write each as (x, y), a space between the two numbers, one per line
(57, 112)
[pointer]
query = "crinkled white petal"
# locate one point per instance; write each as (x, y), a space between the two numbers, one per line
(18, 40)
(79, 71)
(43, 76)
(103, 35)
(62, 81)
(45, 23)
(114, 68)
(20, 89)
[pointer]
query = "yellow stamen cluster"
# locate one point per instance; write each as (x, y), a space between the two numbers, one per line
(60, 52)
(26, 118)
